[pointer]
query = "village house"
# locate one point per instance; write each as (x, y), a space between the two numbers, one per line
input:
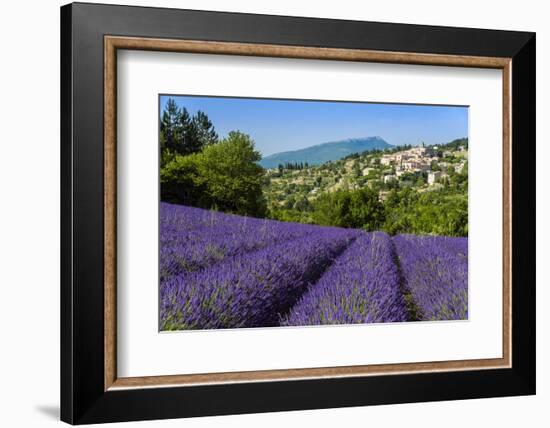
(387, 160)
(410, 165)
(436, 176)
(389, 178)
(460, 167)
(433, 177)
(366, 171)
(421, 151)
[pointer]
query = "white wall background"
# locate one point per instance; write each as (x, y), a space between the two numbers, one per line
(29, 215)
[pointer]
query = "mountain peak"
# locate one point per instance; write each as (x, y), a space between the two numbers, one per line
(324, 152)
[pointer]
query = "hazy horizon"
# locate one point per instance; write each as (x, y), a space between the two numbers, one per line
(309, 123)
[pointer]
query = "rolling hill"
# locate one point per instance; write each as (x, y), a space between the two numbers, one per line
(321, 153)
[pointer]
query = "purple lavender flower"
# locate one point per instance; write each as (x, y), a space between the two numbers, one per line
(202, 238)
(362, 286)
(252, 289)
(435, 270)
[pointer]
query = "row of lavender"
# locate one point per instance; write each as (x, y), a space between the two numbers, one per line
(225, 271)
(192, 239)
(435, 273)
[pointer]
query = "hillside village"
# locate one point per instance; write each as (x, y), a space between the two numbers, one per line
(422, 168)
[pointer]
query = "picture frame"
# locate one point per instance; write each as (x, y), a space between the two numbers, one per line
(91, 390)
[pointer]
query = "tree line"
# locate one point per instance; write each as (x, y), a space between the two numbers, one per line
(292, 166)
(441, 212)
(199, 169)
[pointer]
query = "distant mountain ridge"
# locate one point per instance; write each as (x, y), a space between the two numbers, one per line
(321, 153)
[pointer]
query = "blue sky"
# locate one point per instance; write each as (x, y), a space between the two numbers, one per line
(282, 125)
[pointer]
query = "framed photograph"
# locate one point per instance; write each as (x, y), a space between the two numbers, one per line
(266, 213)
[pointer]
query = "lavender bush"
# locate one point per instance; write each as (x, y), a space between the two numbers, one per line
(253, 289)
(435, 271)
(362, 286)
(193, 249)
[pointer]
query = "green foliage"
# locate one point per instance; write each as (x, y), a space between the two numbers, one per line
(181, 134)
(283, 214)
(292, 166)
(203, 130)
(457, 144)
(303, 205)
(442, 212)
(180, 181)
(170, 126)
(357, 209)
(222, 176)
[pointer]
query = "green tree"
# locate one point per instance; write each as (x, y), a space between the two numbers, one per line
(187, 141)
(357, 209)
(230, 171)
(180, 182)
(289, 203)
(181, 134)
(223, 176)
(170, 131)
(205, 132)
(442, 212)
(302, 204)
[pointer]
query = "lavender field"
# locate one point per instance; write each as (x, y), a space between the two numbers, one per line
(226, 271)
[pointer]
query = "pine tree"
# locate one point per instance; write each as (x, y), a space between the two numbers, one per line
(182, 134)
(187, 133)
(205, 132)
(168, 123)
